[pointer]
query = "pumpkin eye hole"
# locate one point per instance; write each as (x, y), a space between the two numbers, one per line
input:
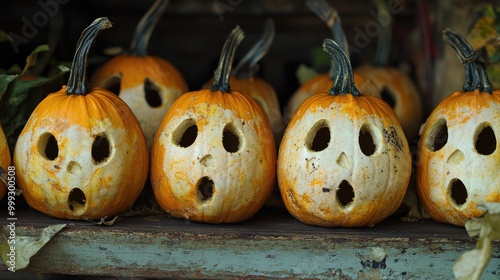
(152, 93)
(48, 147)
(230, 139)
(366, 141)
(318, 137)
(388, 97)
(77, 201)
(185, 134)
(101, 149)
(205, 188)
(486, 142)
(458, 192)
(113, 84)
(438, 137)
(345, 193)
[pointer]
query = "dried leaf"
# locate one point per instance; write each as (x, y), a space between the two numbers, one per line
(304, 73)
(471, 264)
(17, 251)
(31, 59)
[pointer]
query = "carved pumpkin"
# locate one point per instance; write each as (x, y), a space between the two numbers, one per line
(82, 153)
(4, 160)
(323, 82)
(213, 159)
(458, 149)
(148, 84)
(343, 160)
(395, 86)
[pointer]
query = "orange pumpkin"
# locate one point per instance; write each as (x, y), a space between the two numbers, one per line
(323, 82)
(343, 160)
(4, 160)
(82, 153)
(213, 159)
(148, 84)
(458, 149)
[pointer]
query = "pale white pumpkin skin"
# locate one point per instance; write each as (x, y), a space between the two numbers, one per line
(459, 158)
(242, 180)
(309, 180)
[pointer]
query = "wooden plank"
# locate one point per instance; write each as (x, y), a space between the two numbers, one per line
(271, 245)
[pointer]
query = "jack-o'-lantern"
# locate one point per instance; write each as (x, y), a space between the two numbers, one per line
(394, 85)
(323, 82)
(458, 149)
(213, 159)
(148, 84)
(82, 153)
(343, 160)
(4, 160)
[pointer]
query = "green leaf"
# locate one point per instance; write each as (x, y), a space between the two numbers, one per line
(4, 37)
(24, 247)
(18, 99)
(31, 59)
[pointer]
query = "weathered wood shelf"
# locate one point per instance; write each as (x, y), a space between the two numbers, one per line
(273, 244)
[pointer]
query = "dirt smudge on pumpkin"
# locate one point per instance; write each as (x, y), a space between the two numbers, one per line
(392, 137)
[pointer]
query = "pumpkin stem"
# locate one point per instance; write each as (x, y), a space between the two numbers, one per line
(331, 17)
(145, 28)
(223, 72)
(475, 74)
(77, 82)
(344, 78)
(247, 67)
(385, 37)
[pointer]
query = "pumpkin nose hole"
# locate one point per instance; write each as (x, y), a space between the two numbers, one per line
(113, 84)
(152, 92)
(47, 146)
(318, 138)
(208, 161)
(74, 168)
(388, 97)
(365, 140)
(456, 158)
(205, 188)
(230, 139)
(185, 134)
(100, 149)
(486, 142)
(458, 192)
(343, 161)
(345, 193)
(438, 137)
(77, 201)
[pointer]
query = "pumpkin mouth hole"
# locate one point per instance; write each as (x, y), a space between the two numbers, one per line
(318, 137)
(206, 188)
(48, 147)
(458, 192)
(365, 140)
(113, 84)
(438, 137)
(486, 142)
(152, 94)
(345, 194)
(230, 139)
(185, 134)
(388, 97)
(77, 201)
(101, 149)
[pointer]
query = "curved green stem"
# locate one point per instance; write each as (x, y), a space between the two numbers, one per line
(331, 17)
(145, 28)
(475, 74)
(385, 37)
(247, 67)
(344, 78)
(77, 82)
(223, 72)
